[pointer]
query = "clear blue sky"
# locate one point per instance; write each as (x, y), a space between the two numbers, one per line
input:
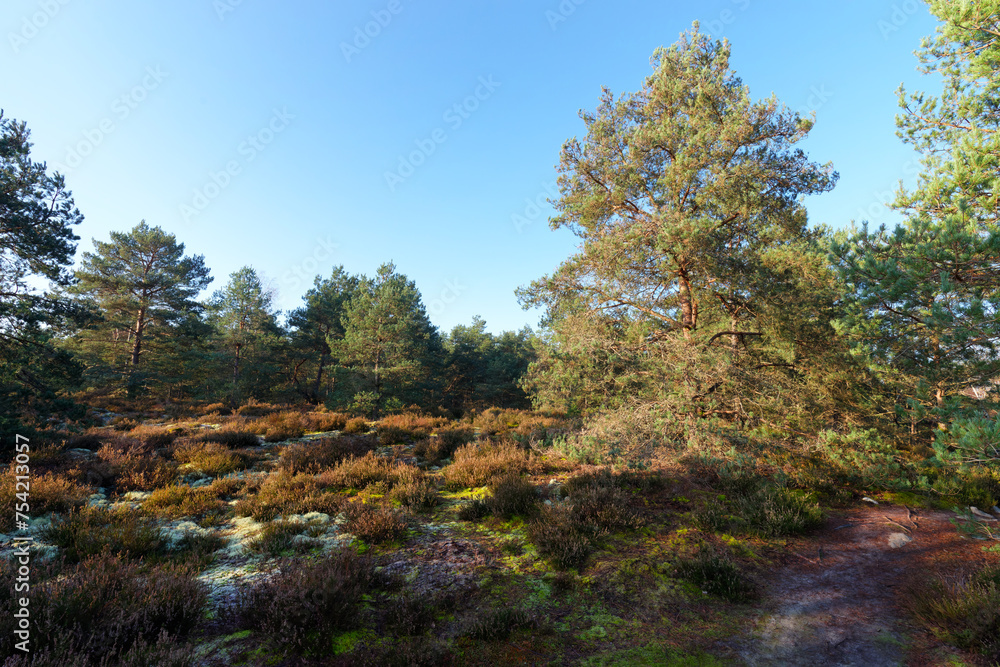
(261, 133)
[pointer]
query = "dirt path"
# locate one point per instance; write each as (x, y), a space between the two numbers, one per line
(836, 601)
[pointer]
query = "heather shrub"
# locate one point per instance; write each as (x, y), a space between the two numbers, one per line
(155, 436)
(135, 466)
(217, 408)
(236, 435)
(495, 624)
(177, 501)
(253, 408)
(300, 606)
(718, 575)
(444, 444)
(47, 492)
(476, 464)
(416, 494)
(965, 612)
(417, 425)
(210, 458)
(323, 422)
(93, 530)
(275, 538)
(317, 455)
(281, 426)
(359, 472)
(512, 495)
(375, 523)
(107, 607)
(559, 539)
(598, 509)
(285, 494)
(356, 425)
(92, 440)
(227, 487)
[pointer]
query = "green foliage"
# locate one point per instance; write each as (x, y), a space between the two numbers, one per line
(107, 607)
(483, 370)
(91, 531)
(243, 316)
(389, 343)
(964, 613)
(717, 575)
(495, 624)
(145, 288)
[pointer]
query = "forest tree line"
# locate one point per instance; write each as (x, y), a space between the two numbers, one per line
(700, 301)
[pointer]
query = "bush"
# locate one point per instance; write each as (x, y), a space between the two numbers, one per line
(177, 501)
(359, 472)
(275, 538)
(135, 466)
(106, 606)
(323, 422)
(375, 524)
(965, 613)
(444, 444)
(217, 408)
(155, 436)
(305, 602)
(415, 494)
(282, 426)
(91, 440)
(317, 455)
(92, 530)
(235, 436)
(286, 494)
(47, 493)
(719, 576)
(476, 464)
(209, 458)
(496, 624)
(511, 495)
(356, 425)
(559, 539)
(775, 511)
(252, 408)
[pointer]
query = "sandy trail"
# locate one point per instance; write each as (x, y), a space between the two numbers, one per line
(836, 600)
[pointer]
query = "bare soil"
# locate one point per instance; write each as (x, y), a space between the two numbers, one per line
(839, 597)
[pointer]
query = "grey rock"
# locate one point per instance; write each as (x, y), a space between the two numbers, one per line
(981, 515)
(897, 540)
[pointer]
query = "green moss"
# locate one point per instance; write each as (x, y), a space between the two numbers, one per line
(651, 654)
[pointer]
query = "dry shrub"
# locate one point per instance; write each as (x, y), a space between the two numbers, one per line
(236, 434)
(284, 494)
(275, 538)
(964, 612)
(253, 408)
(93, 440)
(217, 408)
(317, 455)
(210, 458)
(323, 422)
(443, 445)
(156, 436)
(512, 495)
(356, 425)
(496, 421)
(47, 492)
(107, 607)
(496, 624)
(305, 602)
(359, 472)
(416, 494)
(281, 426)
(476, 464)
(122, 423)
(227, 487)
(135, 466)
(177, 501)
(558, 539)
(93, 530)
(375, 523)
(407, 426)
(599, 504)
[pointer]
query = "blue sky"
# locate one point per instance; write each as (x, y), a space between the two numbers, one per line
(266, 134)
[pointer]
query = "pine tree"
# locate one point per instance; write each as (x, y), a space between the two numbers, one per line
(390, 344)
(143, 284)
(243, 316)
(927, 293)
(698, 283)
